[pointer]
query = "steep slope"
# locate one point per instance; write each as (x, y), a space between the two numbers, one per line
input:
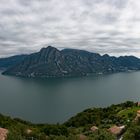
(50, 62)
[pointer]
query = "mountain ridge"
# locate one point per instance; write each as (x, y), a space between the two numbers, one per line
(51, 62)
(8, 62)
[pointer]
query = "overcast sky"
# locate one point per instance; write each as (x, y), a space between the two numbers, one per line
(103, 26)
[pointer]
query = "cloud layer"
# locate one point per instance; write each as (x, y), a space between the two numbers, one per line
(103, 26)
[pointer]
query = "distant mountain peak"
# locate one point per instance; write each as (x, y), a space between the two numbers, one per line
(48, 50)
(106, 55)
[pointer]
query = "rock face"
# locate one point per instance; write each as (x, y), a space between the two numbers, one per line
(51, 62)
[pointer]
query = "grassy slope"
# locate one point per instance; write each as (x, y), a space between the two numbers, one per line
(129, 112)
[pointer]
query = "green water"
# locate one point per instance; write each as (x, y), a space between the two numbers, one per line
(56, 100)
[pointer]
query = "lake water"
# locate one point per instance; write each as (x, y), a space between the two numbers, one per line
(56, 100)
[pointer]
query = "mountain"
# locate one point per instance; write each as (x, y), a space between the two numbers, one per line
(51, 62)
(11, 61)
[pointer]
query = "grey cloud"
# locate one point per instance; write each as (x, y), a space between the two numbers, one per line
(102, 26)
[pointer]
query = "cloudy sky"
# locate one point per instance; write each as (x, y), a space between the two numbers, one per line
(103, 26)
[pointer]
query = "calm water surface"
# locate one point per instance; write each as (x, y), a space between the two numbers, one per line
(56, 100)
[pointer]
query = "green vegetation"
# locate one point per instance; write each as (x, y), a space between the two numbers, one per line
(132, 133)
(79, 126)
(104, 117)
(129, 113)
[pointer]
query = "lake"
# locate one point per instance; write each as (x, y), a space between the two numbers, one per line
(56, 100)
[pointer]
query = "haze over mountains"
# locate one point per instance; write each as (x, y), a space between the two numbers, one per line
(51, 62)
